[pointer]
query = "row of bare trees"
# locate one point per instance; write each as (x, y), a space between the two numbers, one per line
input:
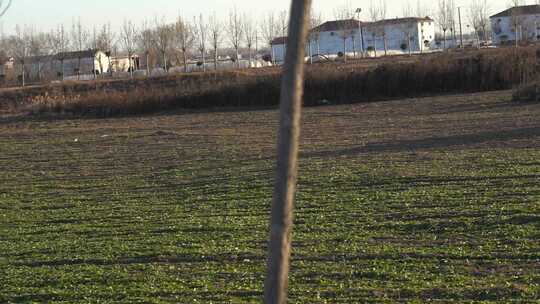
(163, 43)
(167, 44)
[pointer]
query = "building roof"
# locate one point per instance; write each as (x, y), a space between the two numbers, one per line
(278, 41)
(77, 54)
(400, 21)
(349, 24)
(519, 11)
(337, 25)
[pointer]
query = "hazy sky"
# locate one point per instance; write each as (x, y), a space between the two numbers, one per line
(46, 14)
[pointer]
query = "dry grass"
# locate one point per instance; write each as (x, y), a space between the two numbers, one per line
(325, 83)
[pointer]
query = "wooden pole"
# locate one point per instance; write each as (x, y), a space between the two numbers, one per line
(276, 286)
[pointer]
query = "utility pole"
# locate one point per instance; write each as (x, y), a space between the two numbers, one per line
(281, 225)
(460, 28)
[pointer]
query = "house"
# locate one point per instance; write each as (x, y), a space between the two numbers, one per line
(125, 63)
(83, 63)
(277, 47)
(66, 65)
(352, 37)
(519, 23)
(7, 70)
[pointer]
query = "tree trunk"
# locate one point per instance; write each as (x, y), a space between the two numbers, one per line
(147, 64)
(216, 59)
(409, 43)
(354, 46)
(517, 36)
(310, 53)
(62, 69)
(203, 61)
(344, 49)
(184, 58)
(165, 61)
(375, 46)
(94, 68)
(237, 58)
(385, 46)
(281, 225)
(444, 41)
(250, 56)
(23, 75)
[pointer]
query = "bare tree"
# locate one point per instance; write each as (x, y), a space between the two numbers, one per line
(446, 18)
(235, 31)
(283, 21)
(185, 37)
(421, 9)
(516, 20)
(270, 29)
(377, 11)
(163, 38)
(201, 32)
(128, 39)
(105, 41)
(19, 43)
(80, 39)
(216, 30)
(516, 3)
(106, 38)
(59, 42)
(345, 16)
(479, 18)
(38, 47)
(442, 19)
(407, 9)
(451, 7)
(146, 43)
(250, 35)
(407, 28)
(314, 35)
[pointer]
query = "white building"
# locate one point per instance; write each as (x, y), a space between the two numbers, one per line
(350, 37)
(67, 65)
(125, 63)
(521, 23)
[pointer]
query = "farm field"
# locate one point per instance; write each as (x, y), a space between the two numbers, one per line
(434, 199)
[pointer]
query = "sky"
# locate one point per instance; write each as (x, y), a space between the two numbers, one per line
(47, 14)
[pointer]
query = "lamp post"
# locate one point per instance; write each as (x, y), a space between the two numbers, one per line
(359, 11)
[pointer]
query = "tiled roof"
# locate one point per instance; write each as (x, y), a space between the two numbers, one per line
(279, 40)
(337, 25)
(77, 55)
(349, 24)
(519, 11)
(400, 21)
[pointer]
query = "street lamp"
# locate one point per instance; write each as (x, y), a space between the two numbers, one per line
(359, 11)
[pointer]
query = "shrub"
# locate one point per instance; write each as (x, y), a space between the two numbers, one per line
(336, 83)
(527, 93)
